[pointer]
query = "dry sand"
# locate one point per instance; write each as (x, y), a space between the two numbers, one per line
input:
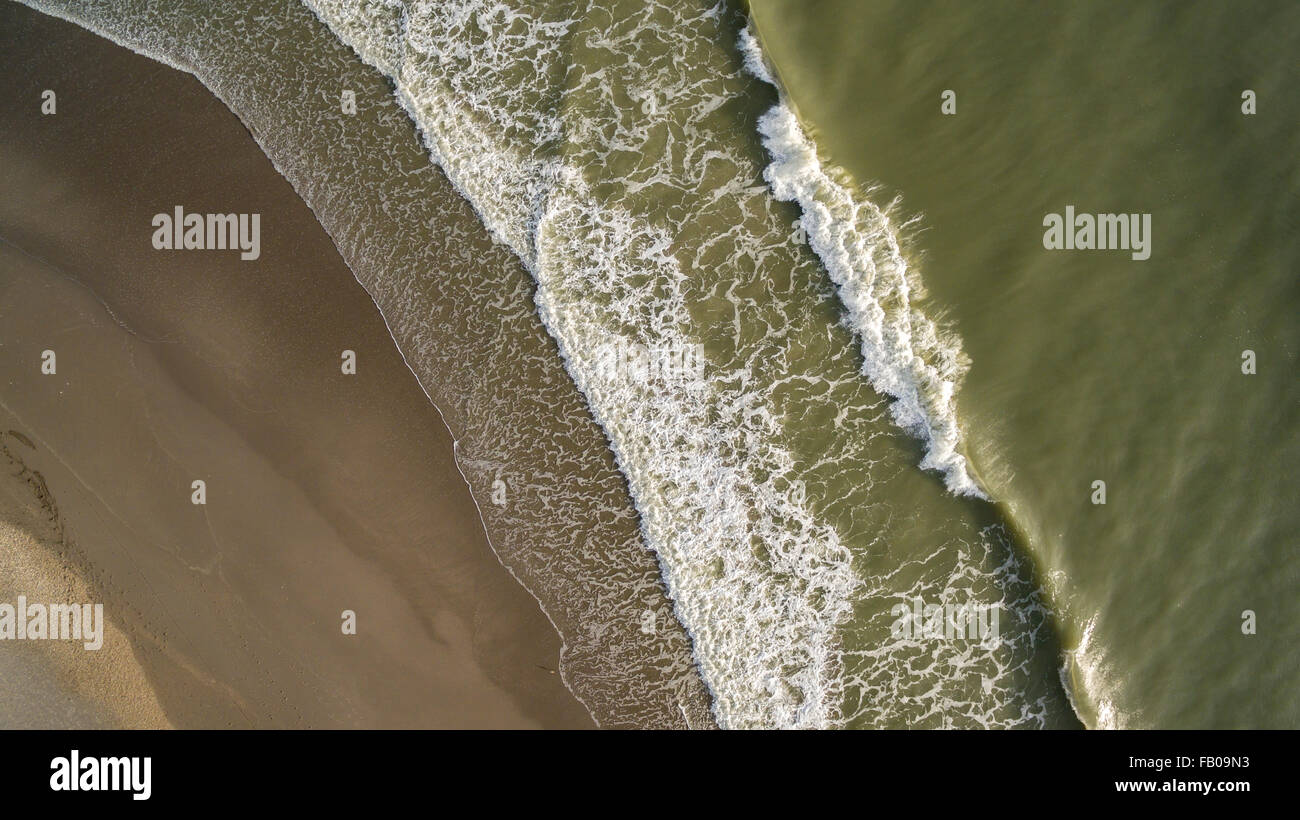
(325, 492)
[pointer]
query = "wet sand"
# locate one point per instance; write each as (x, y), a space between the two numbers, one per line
(325, 492)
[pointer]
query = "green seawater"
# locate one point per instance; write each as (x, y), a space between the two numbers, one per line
(1089, 365)
(773, 502)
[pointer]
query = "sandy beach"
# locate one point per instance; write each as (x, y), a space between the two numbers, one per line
(325, 491)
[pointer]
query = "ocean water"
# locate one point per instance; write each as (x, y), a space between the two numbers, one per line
(895, 396)
(786, 500)
(1090, 365)
(614, 147)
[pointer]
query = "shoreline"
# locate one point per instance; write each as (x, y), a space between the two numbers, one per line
(210, 349)
(455, 301)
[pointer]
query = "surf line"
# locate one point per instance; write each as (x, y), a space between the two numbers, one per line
(182, 231)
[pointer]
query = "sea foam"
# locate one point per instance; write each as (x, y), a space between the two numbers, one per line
(905, 354)
(621, 182)
(760, 583)
(761, 577)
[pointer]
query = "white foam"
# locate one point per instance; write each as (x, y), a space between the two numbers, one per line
(1094, 675)
(702, 460)
(764, 586)
(904, 353)
(752, 53)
